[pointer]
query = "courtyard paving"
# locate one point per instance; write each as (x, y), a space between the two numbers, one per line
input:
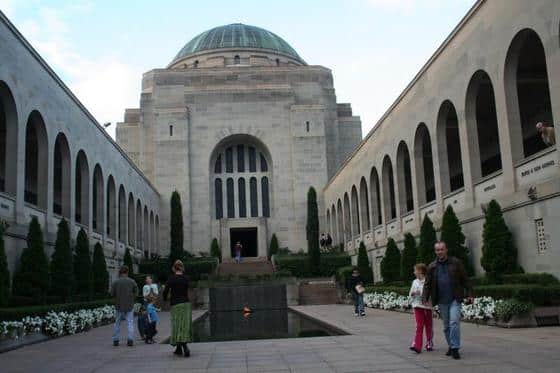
(378, 343)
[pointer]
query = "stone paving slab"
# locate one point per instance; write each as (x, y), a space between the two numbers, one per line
(379, 343)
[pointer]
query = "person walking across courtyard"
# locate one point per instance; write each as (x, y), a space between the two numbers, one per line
(238, 248)
(124, 290)
(181, 311)
(446, 285)
(422, 311)
(355, 285)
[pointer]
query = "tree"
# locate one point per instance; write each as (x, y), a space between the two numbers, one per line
(32, 278)
(499, 254)
(62, 271)
(273, 248)
(82, 265)
(4, 271)
(215, 250)
(428, 239)
(312, 228)
(409, 256)
(176, 250)
(363, 264)
(127, 261)
(99, 271)
(391, 263)
(452, 235)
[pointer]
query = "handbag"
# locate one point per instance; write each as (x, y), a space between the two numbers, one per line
(360, 288)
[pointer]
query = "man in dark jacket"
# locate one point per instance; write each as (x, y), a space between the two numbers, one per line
(447, 284)
(124, 290)
(351, 283)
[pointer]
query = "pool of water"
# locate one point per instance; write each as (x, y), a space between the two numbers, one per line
(261, 324)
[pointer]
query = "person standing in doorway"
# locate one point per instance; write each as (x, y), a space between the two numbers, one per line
(446, 286)
(238, 248)
(124, 290)
(181, 311)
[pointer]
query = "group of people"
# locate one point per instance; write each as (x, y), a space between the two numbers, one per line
(325, 241)
(176, 290)
(443, 283)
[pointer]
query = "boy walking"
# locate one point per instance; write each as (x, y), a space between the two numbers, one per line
(124, 290)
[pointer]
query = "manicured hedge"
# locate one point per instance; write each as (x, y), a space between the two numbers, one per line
(18, 313)
(299, 265)
(543, 279)
(194, 268)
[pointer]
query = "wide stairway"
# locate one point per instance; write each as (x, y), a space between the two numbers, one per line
(248, 266)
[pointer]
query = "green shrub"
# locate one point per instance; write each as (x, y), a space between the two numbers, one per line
(363, 264)
(391, 263)
(535, 294)
(426, 253)
(82, 265)
(408, 260)
(215, 250)
(312, 229)
(388, 289)
(543, 279)
(343, 273)
(299, 266)
(62, 271)
(32, 278)
(509, 308)
(282, 274)
(4, 272)
(127, 261)
(452, 235)
(100, 275)
(18, 313)
(273, 248)
(194, 268)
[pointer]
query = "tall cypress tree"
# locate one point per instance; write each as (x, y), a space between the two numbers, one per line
(391, 263)
(499, 254)
(428, 238)
(99, 271)
(273, 248)
(452, 235)
(176, 250)
(32, 278)
(313, 231)
(409, 256)
(127, 261)
(62, 271)
(215, 250)
(82, 265)
(4, 271)
(363, 264)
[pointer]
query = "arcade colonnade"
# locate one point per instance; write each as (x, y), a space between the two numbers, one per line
(462, 133)
(56, 161)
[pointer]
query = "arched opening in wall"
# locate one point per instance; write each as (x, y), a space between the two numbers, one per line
(332, 225)
(424, 165)
(340, 222)
(265, 197)
(61, 177)
(139, 227)
(389, 189)
(122, 215)
(449, 148)
(482, 126)
(254, 197)
(375, 197)
(97, 200)
(355, 211)
(152, 233)
(81, 194)
(236, 60)
(347, 218)
(36, 161)
(364, 205)
(328, 228)
(157, 235)
(111, 208)
(230, 198)
(146, 234)
(131, 221)
(219, 197)
(242, 191)
(8, 141)
(404, 174)
(527, 93)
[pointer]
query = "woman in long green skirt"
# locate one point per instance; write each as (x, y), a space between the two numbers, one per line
(181, 312)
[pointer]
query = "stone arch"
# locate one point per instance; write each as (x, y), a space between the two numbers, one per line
(389, 201)
(152, 233)
(122, 215)
(424, 163)
(449, 148)
(146, 233)
(157, 234)
(328, 225)
(111, 208)
(347, 218)
(131, 221)
(340, 222)
(482, 126)
(355, 209)
(527, 93)
(81, 194)
(364, 205)
(36, 161)
(377, 214)
(139, 227)
(332, 226)
(97, 200)
(404, 178)
(61, 177)
(8, 141)
(265, 197)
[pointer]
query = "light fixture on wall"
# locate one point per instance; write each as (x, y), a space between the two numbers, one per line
(532, 193)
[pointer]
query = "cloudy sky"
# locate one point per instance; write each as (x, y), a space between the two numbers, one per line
(101, 48)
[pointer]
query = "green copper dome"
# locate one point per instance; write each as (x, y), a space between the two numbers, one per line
(237, 35)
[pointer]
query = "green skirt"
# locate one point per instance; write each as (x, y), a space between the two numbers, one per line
(181, 323)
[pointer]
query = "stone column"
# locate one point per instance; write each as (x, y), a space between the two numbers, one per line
(469, 145)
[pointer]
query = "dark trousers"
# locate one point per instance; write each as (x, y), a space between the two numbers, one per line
(151, 330)
(142, 324)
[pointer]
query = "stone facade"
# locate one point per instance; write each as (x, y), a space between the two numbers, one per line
(461, 134)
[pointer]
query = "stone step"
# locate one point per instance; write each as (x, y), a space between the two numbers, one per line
(246, 268)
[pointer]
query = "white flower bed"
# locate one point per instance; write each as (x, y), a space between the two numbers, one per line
(57, 324)
(481, 309)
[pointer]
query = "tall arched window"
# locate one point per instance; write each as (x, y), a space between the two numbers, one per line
(122, 214)
(527, 93)
(98, 188)
(449, 148)
(139, 227)
(389, 189)
(146, 232)
(131, 221)
(425, 179)
(254, 197)
(406, 199)
(340, 222)
(347, 218)
(218, 195)
(36, 161)
(364, 205)
(82, 189)
(61, 177)
(355, 211)
(265, 197)
(111, 208)
(241, 187)
(230, 198)
(375, 197)
(8, 140)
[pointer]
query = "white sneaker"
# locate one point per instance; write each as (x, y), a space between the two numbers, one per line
(357, 314)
